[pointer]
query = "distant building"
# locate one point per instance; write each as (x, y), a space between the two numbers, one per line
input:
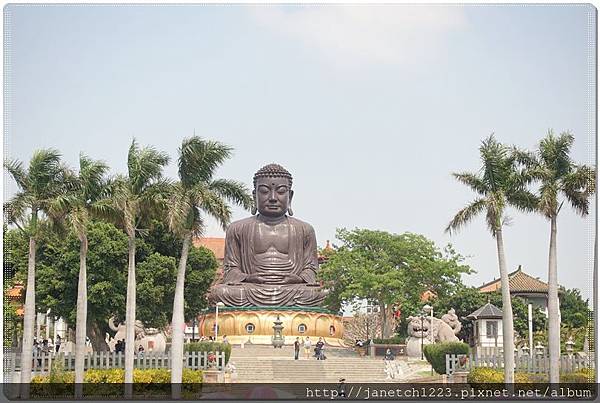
(215, 245)
(487, 324)
(523, 285)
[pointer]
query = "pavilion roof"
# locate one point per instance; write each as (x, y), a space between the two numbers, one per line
(488, 311)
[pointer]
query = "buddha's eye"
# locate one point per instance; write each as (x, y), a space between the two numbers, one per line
(263, 190)
(282, 190)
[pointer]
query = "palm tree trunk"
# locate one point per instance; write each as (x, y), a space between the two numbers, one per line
(26, 355)
(178, 322)
(130, 319)
(553, 319)
(508, 343)
(81, 321)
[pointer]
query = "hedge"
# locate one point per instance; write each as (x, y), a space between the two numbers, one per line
(117, 375)
(391, 340)
(436, 353)
(482, 375)
(208, 346)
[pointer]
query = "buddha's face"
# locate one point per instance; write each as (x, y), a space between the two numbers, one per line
(273, 196)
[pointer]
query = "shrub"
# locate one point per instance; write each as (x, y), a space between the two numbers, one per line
(207, 346)
(584, 375)
(436, 353)
(391, 340)
(483, 375)
(117, 375)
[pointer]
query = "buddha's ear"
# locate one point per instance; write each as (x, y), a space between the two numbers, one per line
(253, 211)
(290, 212)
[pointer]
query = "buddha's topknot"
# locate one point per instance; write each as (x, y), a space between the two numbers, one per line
(272, 171)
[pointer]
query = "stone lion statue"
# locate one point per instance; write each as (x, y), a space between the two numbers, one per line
(452, 320)
(419, 332)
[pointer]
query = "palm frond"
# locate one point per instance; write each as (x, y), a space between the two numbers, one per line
(199, 158)
(145, 166)
(234, 191)
(465, 215)
(472, 181)
(45, 173)
(213, 204)
(523, 200)
(18, 172)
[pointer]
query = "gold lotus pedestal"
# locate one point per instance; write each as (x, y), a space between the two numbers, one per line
(254, 325)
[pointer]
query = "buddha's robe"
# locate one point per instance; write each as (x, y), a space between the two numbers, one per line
(241, 261)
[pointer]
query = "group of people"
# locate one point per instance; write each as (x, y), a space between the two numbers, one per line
(45, 346)
(319, 350)
(120, 346)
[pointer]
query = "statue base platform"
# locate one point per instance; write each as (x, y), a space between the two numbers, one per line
(254, 325)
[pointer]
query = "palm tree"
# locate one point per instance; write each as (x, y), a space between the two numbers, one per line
(135, 198)
(498, 184)
(39, 185)
(560, 180)
(196, 193)
(76, 208)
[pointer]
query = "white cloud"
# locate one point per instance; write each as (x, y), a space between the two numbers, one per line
(363, 34)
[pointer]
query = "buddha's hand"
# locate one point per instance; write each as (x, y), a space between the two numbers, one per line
(234, 282)
(293, 279)
(255, 278)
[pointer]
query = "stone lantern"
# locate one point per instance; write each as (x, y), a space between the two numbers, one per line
(277, 338)
(539, 349)
(525, 349)
(569, 346)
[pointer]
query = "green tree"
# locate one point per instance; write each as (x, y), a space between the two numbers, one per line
(574, 310)
(498, 185)
(136, 197)
(200, 272)
(106, 263)
(560, 179)
(86, 198)
(38, 185)
(196, 194)
(155, 277)
(388, 269)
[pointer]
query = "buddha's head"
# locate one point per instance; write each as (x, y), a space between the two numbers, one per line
(273, 191)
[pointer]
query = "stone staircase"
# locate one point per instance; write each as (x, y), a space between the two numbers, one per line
(264, 364)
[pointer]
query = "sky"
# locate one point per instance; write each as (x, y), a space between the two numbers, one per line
(371, 108)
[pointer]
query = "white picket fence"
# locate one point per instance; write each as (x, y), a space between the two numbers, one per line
(537, 364)
(108, 360)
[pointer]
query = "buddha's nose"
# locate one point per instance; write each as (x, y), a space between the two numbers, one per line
(272, 196)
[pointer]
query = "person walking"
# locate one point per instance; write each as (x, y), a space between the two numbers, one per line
(307, 346)
(296, 348)
(225, 340)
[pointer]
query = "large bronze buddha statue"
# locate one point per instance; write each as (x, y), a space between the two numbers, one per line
(270, 258)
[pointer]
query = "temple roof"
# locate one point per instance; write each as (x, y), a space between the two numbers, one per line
(519, 282)
(488, 311)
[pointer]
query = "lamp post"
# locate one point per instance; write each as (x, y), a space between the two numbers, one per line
(421, 316)
(429, 310)
(194, 323)
(219, 304)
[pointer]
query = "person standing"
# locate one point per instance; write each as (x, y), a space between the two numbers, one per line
(57, 343)
(307, 345)
(319, 349)
(296, 348)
